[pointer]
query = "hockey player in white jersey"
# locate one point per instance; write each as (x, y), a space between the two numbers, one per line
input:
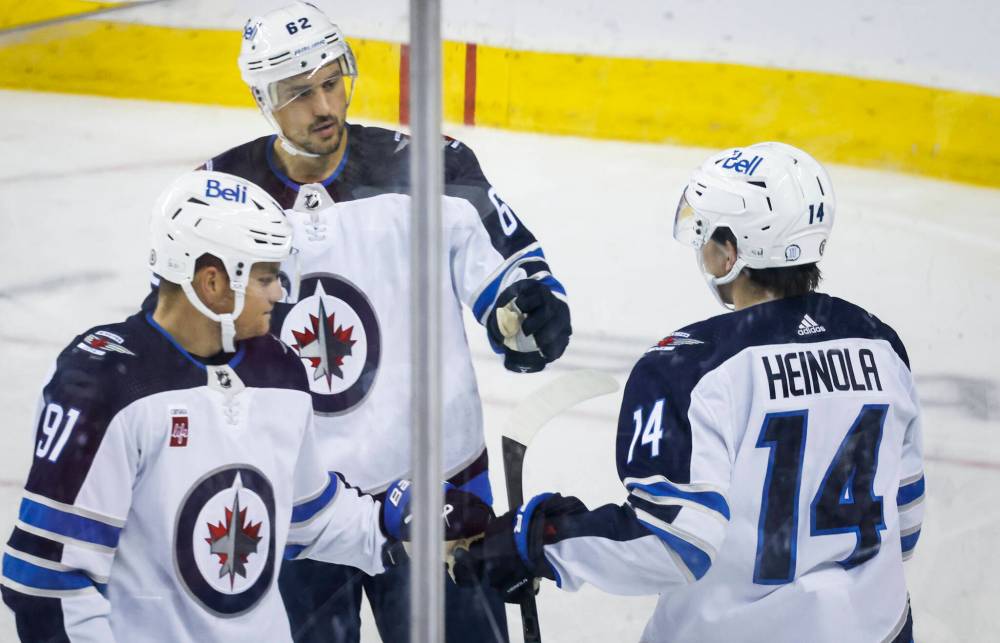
(772, 456)
(349, 318)
(174, 460)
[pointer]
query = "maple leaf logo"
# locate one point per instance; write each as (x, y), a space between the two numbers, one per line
(233, 541)
(324, 344)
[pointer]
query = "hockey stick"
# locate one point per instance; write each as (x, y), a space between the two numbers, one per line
(523, 424)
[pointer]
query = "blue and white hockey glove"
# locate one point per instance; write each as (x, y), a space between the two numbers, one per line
(531, 324)
(465, 515)
(510, 557)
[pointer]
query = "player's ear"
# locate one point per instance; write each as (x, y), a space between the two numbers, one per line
(731, 255)
(212, 286)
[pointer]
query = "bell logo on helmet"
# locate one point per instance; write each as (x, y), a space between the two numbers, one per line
(214, 190)
(792, 252)
(737, 163)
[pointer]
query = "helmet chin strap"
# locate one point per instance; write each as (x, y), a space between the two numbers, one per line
(714, 282)
(227, 320)
(286, 145)
(289, 147)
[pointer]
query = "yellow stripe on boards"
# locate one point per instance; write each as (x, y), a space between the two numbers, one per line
(939, 133)
(376, 94)
(127, 61)
(18, 13)
(838, 118)
(162, 63)
(453, 77)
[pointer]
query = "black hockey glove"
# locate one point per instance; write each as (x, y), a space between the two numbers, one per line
(465, 515)
(510, 556)
(544, 326)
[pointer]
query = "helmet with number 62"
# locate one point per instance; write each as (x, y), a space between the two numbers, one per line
(293, 40)
(776, 200)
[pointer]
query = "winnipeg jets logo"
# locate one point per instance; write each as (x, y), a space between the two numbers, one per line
(224, 540)
(333, 329)
(323, 345)
(234, 540)
(250, 30)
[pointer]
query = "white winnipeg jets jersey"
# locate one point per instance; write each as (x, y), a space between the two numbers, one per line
(773, 464)
(355, 260)
(351, 321)
(164, 492)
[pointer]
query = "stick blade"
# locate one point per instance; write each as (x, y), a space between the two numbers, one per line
(532, 413)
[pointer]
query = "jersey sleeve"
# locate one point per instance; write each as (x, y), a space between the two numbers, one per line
(675, 461)
(910, 498)
(494, 248)
(331, 520)
(76, 500)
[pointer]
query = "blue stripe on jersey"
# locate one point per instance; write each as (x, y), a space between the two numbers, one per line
(306, 510)
(291, 551)
(696, 559)
(26, 573)
(555, 572)
(479, 486)
(489, 294)
(67, 524)
(909, 542)
(522, 527)
(909, 493)
(711, 499)
(553, 284)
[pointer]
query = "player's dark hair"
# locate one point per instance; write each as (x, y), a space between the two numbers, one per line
(783, 282)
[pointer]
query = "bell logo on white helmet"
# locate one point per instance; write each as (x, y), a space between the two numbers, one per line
(214, 213)
(292, 40)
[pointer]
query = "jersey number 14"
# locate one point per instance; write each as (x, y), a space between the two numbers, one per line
(845, 503)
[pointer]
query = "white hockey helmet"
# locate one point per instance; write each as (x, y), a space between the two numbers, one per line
(286, 42)
(222, 215)
(776, 200)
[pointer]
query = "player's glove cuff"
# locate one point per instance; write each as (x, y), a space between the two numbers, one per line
(539, 330)
(464, 514)
(512, 553)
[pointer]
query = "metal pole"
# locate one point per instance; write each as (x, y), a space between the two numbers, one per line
(426, 176)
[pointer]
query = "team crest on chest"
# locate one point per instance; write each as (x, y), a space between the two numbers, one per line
(224, 540)
(334, 331)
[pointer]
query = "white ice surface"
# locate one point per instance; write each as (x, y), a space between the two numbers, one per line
(78, 176)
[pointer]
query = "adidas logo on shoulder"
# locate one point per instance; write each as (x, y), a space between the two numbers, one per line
(808, 326)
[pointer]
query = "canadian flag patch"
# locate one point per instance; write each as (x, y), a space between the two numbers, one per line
(179, 427)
